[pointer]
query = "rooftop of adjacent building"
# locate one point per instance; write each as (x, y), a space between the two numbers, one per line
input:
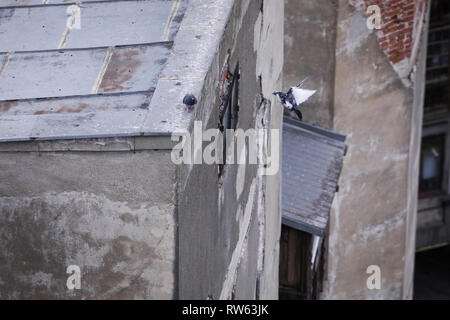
(312, 159)
(107, 68)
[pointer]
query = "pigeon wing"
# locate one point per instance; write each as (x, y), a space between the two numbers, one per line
(301, 95)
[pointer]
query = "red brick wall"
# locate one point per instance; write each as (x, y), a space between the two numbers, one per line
(400, 25)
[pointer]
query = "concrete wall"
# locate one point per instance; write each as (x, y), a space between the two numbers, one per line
(373, 218)
(373, 93)
(136, 224)
(229, 226)
(110, 213)
(310, 36)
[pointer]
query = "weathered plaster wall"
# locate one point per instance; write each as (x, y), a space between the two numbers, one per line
(110, 213)
(138, 225)
(229, 227)
(310, 35)
(270, 60)
(400, 32)
(371, 84)
(372, 222)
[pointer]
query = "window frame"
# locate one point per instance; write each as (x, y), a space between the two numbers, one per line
(435, 130)
(229, 113)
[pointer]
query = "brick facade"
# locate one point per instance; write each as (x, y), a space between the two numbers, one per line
(401, 24)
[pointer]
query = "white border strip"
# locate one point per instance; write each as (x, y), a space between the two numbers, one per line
(230, 277)
(173, 13)
(102, 71)
(6, 62)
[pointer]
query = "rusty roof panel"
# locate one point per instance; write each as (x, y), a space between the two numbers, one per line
(134, 68)
(16, 127)
(93, 124)
(311, 164)
(20, 30)
(11, 3)
(121, 23)
(104, 79)
(18, 3)
(101, 24)
(50, 74)
(77, 104)
(79, 72)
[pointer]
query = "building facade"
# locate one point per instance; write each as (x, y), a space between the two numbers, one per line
(90, 114)
(371, 82)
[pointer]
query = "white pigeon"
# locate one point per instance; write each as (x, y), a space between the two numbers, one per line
(294, 97)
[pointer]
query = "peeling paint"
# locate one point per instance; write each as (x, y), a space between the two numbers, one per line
(244, 225)
(110, 241)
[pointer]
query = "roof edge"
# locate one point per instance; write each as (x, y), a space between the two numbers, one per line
(300, 125)
(92, 144)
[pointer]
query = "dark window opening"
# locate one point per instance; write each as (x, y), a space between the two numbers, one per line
(438, 67)
(431, 165)
(301, 265)
(435, 96)
(440, 12)
(229, 109)
(431, 276)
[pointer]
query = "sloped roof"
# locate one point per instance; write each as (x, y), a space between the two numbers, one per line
(122, 73)
(311, 164)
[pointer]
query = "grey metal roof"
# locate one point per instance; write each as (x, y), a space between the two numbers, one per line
(103, 23)
(124, 73)
(311, 163)
(75, 72)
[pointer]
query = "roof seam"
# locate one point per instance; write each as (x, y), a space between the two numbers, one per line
(157, 43)
(68, 4)
(102, 71)
(6, 62)
(100, 94)
(173, 13)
